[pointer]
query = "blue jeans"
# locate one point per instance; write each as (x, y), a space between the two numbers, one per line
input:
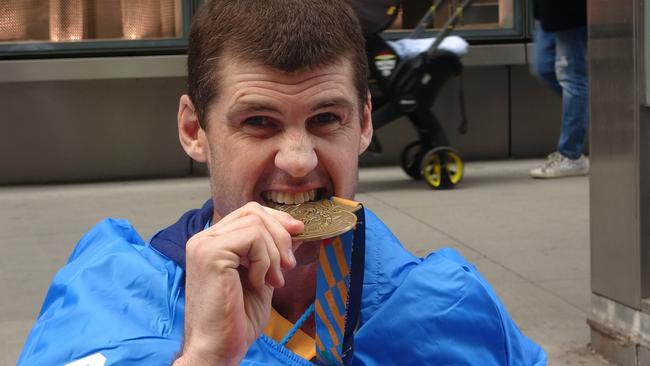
(561, 62)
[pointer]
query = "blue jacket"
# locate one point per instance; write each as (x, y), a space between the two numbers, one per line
(120, 301)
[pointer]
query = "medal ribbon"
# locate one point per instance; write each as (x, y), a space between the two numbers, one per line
(338, 294)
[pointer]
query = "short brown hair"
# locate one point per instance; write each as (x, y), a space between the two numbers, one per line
(289, 35)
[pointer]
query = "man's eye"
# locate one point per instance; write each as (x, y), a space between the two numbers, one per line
(325, 118)
(257, 121)
(259, 126)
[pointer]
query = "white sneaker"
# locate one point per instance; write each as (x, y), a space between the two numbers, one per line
(557, 165)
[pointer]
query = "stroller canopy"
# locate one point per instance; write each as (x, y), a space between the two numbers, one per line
(375, 15)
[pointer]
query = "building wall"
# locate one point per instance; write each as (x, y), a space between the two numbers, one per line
(80, 128)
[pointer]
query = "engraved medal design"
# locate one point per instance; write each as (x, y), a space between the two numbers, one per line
(323, 219)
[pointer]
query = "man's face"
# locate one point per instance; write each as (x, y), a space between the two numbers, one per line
(286, 138)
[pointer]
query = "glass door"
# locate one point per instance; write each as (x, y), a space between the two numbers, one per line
(65, 27)
(482, 20)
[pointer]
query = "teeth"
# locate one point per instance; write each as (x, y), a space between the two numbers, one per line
(290, 198)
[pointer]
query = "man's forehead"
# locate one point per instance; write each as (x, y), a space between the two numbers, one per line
(257, 71)
(331, 84)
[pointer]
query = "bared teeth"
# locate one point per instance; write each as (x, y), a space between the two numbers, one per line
(289, 197)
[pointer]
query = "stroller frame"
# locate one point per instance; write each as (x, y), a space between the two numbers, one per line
(409, 88)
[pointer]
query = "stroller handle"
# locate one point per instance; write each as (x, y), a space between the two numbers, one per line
(448, 27)
(426, 19)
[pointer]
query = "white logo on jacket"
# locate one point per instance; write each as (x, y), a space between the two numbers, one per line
(96, 359)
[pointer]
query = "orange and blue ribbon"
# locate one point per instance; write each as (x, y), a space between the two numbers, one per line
(338, 294)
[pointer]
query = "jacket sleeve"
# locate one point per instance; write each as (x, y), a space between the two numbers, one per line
(433, 311)
(115, 302)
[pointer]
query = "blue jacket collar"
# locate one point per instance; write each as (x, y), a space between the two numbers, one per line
(171, 240)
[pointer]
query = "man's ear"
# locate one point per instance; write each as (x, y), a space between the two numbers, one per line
(366, 125)
(190, 133)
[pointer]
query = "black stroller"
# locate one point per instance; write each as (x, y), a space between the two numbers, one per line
(409, 88)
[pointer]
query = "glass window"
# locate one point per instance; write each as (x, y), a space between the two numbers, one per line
(480, 15)
(80, 20)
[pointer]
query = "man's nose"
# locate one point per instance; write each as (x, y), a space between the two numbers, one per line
(296, 156)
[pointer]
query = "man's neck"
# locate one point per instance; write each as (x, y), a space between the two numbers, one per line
(297, 295)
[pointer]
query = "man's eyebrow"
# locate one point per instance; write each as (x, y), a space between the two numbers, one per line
(251, 107)
(333, 102)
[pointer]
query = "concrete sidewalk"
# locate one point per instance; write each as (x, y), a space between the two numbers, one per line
(529, 238)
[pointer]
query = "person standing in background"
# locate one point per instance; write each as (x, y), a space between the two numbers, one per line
(561, 62)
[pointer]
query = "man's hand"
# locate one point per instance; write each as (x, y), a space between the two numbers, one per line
(232, 269)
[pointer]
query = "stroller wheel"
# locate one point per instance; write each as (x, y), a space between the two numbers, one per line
(442, 167)
(411, 158)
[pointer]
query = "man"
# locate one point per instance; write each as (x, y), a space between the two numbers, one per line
(278, 108)
(561, 62)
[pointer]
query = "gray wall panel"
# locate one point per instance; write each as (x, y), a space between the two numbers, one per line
(536, 115)
(644, 199)
(644, 150)
(393, 138)
(614, 198)
(486, 97)
(125, 127)
(90, 130)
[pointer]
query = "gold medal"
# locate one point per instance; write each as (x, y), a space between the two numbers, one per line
(323, 219)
